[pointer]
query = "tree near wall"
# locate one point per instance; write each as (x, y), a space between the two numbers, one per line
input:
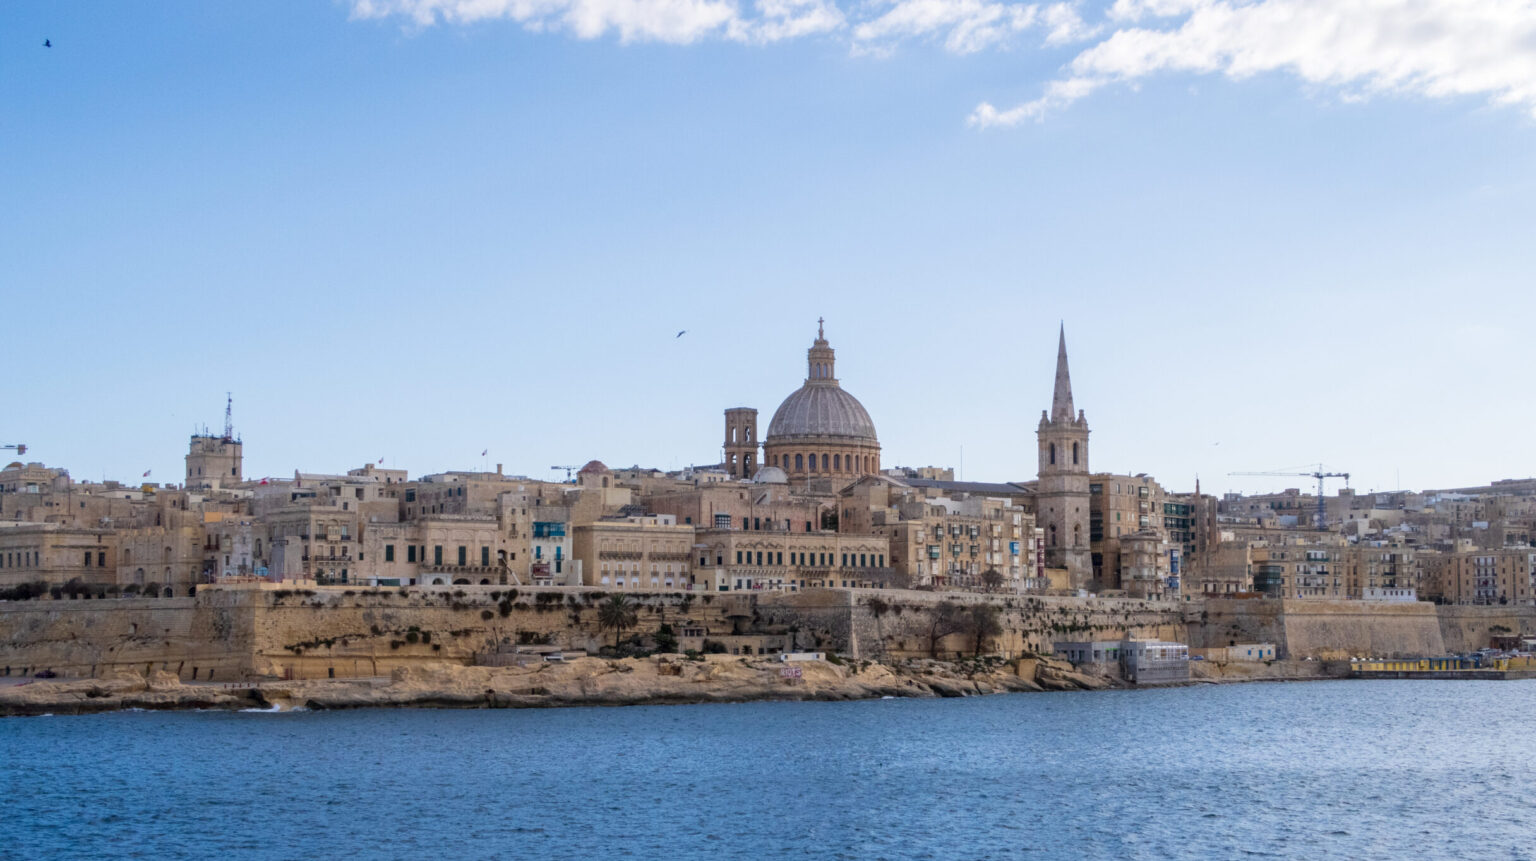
(985, 623)
(617, 613)
(992, 579)
(944, 619)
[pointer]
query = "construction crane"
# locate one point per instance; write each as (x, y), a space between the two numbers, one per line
(19, 448)
(569, 470)
(1319, 474)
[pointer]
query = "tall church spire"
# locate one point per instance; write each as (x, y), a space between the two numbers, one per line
(1061, 399)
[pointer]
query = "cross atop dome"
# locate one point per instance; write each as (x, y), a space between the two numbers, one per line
(821, 358)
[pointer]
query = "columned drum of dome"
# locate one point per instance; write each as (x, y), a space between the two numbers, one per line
(822, 431)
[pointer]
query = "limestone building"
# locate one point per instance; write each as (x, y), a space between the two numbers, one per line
(819, 432)
(741, 442)
(1062, 492)
(215, 461)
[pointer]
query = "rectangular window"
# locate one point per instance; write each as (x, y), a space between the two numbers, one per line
(485, 557)
(738, 557)
(410, 553)
(437, 554)
(722, 521)
(389, 553)
(463, 555)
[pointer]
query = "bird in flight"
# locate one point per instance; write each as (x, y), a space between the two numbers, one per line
(47, 43)
(681, 334)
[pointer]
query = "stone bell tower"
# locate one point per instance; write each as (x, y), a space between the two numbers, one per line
(741, 442)
(1061, 497)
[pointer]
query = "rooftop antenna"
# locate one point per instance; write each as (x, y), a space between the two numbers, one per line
(229, 420)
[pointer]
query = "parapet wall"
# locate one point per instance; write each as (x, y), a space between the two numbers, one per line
(1323, 630)
(241, 633)
(204, 635)
(238, 633)
(891, 624)
(1467, 629)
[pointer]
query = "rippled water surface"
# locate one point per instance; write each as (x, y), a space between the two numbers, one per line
(1329, 769)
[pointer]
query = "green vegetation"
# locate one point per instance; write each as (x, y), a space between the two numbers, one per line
(617, 613)
(666, 640)
(985, 623)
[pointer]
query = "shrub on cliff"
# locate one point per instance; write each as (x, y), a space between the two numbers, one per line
(666, 640)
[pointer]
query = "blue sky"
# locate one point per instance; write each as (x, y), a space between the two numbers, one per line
(418, 229)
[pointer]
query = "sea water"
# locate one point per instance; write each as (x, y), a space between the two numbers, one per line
(1361, 769)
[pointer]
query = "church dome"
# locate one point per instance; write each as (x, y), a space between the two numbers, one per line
(770, 475)
(817, 409)
(821, 408)
(593, 466)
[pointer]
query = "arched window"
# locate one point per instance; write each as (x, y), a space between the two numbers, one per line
(837, 462)
(1077, 535)
(798, 464)
(1052, 537)
(1074, 454)
(823, 461)
(1053, 454)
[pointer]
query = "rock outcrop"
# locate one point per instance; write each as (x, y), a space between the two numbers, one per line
(656, 680)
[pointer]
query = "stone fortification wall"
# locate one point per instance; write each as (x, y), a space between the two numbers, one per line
(370, 632)
(1467, 629)
(204, 635)
(892, 624)
(241, 633)
(1323, 630)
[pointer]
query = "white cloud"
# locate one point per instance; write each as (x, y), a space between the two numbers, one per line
(676, 21)
(966, 26)
(963, 26)
(1066, 24)
(1353, 49)
(1360, 48)
(787, 19)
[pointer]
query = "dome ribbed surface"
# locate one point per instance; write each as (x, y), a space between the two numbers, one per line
(822, 410)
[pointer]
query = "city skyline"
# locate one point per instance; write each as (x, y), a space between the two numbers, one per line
(423, 241)
(491, 458)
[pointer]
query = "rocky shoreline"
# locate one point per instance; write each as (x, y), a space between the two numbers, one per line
(657, 680)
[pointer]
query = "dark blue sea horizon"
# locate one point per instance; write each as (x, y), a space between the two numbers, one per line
(1369, 769)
